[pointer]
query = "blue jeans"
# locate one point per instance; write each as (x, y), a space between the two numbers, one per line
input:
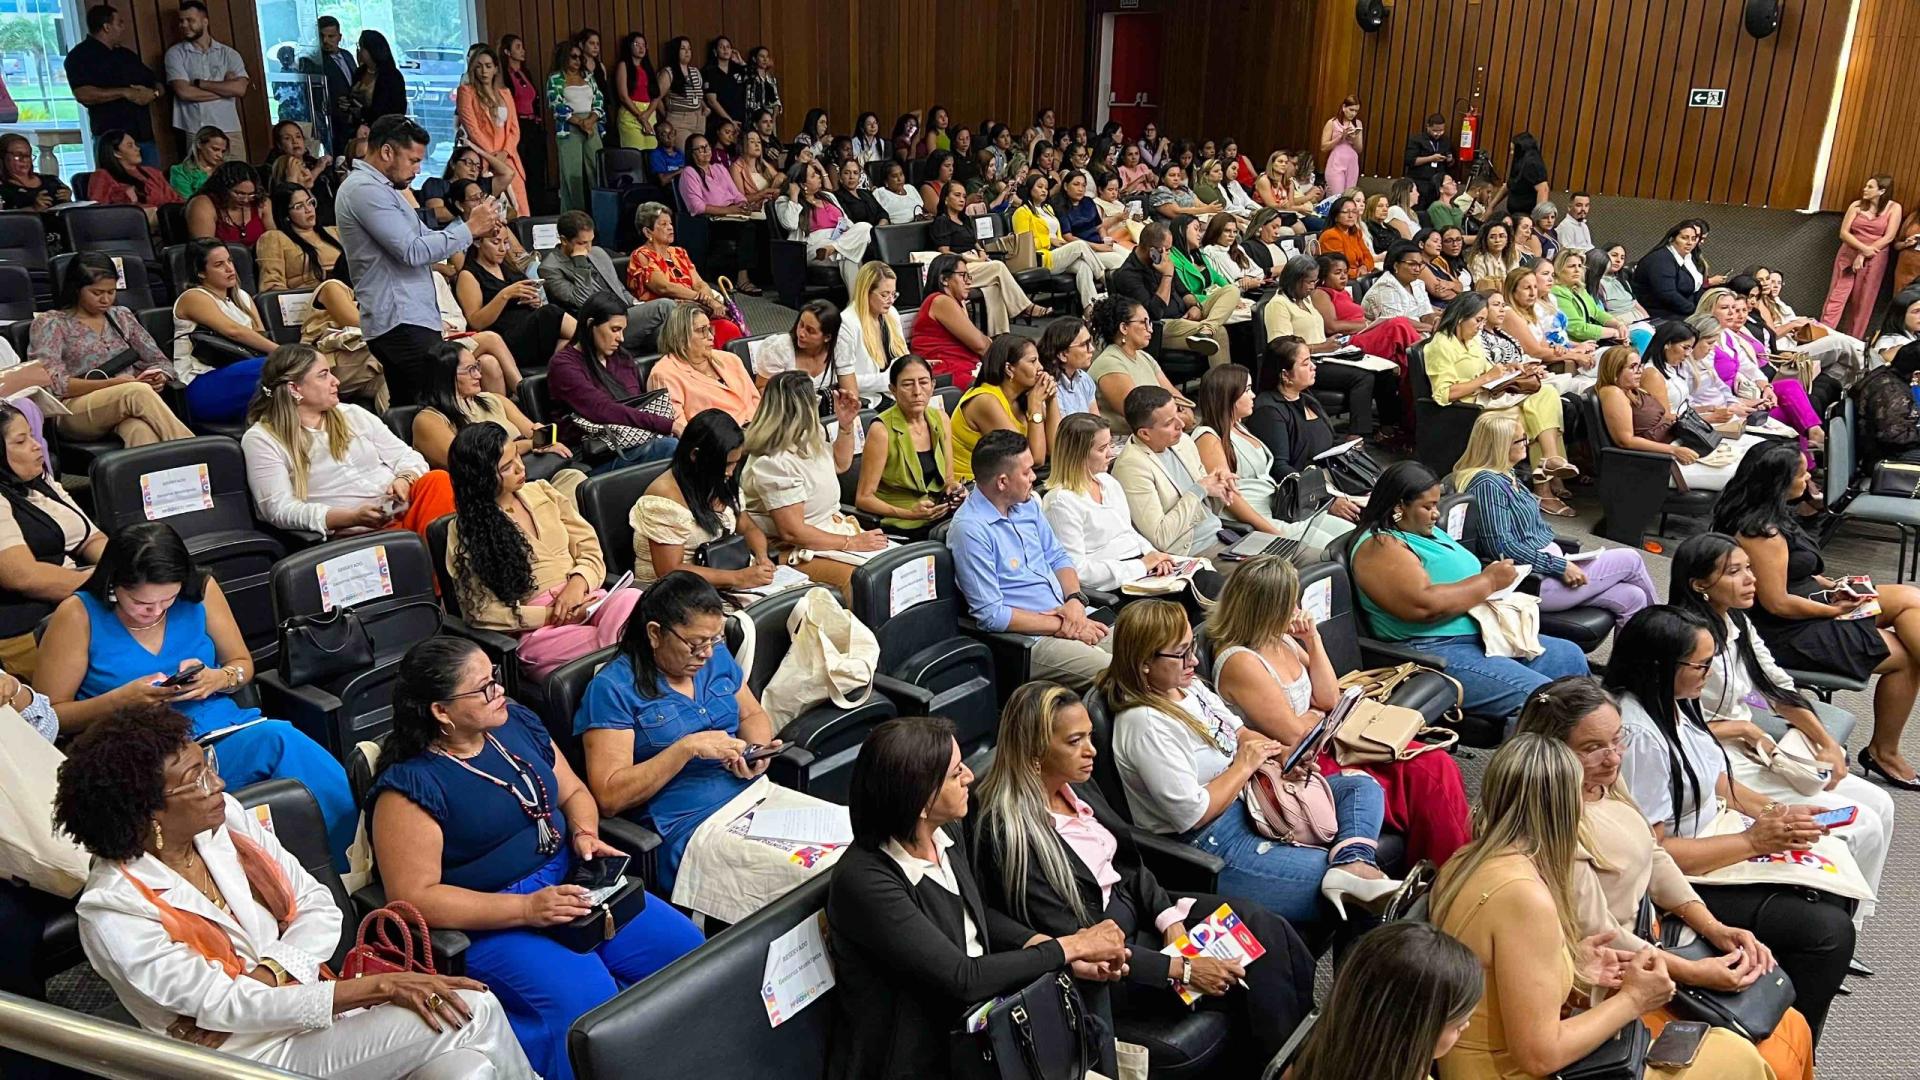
(1286, 877)
(655, 450)
(546, 986)
(1496, 686)
(275, 749)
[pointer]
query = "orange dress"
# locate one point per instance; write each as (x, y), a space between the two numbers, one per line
(484, 129)
(1353, 245)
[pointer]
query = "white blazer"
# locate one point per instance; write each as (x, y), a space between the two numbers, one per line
(160, 981)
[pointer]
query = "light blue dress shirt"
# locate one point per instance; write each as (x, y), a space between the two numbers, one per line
(391, 253)
(1006, 561)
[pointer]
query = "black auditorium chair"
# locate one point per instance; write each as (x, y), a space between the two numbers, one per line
(111, 230)
(399, 420)
(1635, 486)
(502, 649)
(345, 709)
(17, 300)
(282, 311)
(1439, 431)
(1587, 627)
(137, 293)
(796, 278)
(531, 234)
(606, 501)
(927, 666)
(895, 245)
(23, 243)
(829, 734)
(535, 400)
(223, 536)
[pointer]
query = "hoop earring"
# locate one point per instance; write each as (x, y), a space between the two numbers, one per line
(159, 840)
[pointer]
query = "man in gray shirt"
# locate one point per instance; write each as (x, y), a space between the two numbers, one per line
(575, 271)
(207, 79)
(391, 253)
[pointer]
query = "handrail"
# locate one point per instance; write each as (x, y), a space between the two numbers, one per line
(115, 1050)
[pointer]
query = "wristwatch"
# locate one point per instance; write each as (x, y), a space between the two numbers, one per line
(281, 976)
(1037, 418)
(1186, 972)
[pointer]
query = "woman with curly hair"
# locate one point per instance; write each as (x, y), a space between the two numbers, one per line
(523, 560)
(228, 207)
(239, 969)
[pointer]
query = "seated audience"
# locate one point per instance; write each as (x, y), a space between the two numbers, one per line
(576, 271)
(1900, 326)
(1175, 500)
(1014, 573)
(666, 160)
(913, 942)
(1841, 357)
(299, 252)
(215, 304)
(465, 163)
(1669, 279)
(1412, 988)
(1806, 625)
(119, 178)
(1271, 667)
(1697, 382)
(1509, 897)
(1639, 418)
(1587, 318)
(900, 203)
(1889, 415)
(20, 187)
(1676, 773)
(1184, 757)
(812, 346)
(1149, 278)
(1608, 280)
(907, 471)
(1341, 315)
(1494, 256)
(453, 400)
(943, 333)
(1066, 354)
(1290, 421)
(319, 466)
(1458, 368)
(941, 169)
(1123, 362)
(228, 207)
(188, 175)
(153, 809)
(1262, 246)
(468, 813)
(870, 335)
(696, 375)
(1536, 327)
(1082, 217)
(1440, 279)
(807, 211)
(146, 613)
(99, 360)
(596, 381)
(1052, 854)
(689, 518)
(1221, 251)
(1228, 447)
(495, 294)
(657, 269)
(1511, 523)
(1294, 310)
(1053, 247)
(706, 189)
(1088, 511)
(523, 560)
(791, 481)
(1174, 200)
(44, 534)
(1374, 229)
(1010, 393)
(1416, 584)
(1737, 359)
(952, 233)
(1398, 292)
(1136, 176)
(754, 173)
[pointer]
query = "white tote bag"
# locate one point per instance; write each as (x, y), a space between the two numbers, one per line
(832, 656)
(29, 849)
(1828, 866)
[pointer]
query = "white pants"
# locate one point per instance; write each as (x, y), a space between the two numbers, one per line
(848, 251)
(1868, 838)
(1002, 295)
(1078, 258)
(390, 1041)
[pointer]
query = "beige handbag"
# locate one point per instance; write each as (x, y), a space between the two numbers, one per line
(832, 656)
(30, 850)
(1376, 732)
(1793, 761)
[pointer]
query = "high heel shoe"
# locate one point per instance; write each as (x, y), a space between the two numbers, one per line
(1339, 886)
(1869, 766)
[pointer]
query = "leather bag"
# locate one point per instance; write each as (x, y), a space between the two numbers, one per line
(1301, 495)
(1751, 1013)
(1692, 431)
(1292, 811)
(216, 351)
(1622, 1057)
(1376, 731)
(729, 552)
(317, 648)
(1896, 478)
(392, 938)
(1043, 1031)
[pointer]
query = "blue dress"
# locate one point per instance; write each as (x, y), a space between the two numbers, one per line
(658, 722)
(270, 749)
(489, 844)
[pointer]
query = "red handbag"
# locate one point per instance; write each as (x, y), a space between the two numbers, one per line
(376, 950)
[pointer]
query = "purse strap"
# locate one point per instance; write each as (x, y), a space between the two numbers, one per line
(402, 917)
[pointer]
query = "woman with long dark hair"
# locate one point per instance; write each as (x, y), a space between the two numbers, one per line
(1289, 419)
(683, 89)
(633, 94)
(1412, 988)
(1867, 232)
(51, 539)
(211, 301)
(523, 84)
(694, 508)
(380, 88)
(87, 333)
(452, 399)
(944, 333)
(598, 381)
(1804, 619)
(495, 296)
(1010, 391)
(812, 345)
(476, 820)
(579, 109)
(120, 178)
(298, 252)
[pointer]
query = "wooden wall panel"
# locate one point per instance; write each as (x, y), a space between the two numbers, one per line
(154, 30)
(1878, 129)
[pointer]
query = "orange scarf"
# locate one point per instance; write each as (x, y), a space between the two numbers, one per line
(203, 935)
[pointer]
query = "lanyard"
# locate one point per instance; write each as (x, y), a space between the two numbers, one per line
(533, 802)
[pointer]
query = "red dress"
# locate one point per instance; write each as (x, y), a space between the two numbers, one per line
(1387, 339)
(247, 233)
(937, 345)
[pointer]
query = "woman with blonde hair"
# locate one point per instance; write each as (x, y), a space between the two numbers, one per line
(1540, 338)
(1270, 665)
(870, 335)
(697, 376)
(1052, 854)
(1509, 896)
(1615, 580)
(490, 122)
(790, 484)
(1638, 417)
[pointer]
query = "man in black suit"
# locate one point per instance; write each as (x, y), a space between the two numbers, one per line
(337, 65)
(1428, 157)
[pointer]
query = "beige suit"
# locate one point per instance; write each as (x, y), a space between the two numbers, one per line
(1163, 511)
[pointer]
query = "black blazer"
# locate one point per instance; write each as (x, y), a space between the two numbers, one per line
(861, 206)
(1665, 289)
(1284, 427)
(1138, 281)
(903, 975)
(1049, 913)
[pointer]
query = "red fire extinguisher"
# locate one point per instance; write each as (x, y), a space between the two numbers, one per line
(1469, 132)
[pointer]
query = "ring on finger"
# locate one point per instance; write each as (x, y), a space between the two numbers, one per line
(435, 1001)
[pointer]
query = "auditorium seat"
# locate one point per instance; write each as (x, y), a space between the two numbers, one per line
(1587, 627)
(1635, 486)
(23, 243)
(926, 665)
(1439, 431)
(606, 501)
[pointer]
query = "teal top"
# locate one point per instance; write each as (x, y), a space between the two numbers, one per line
(1445, 562)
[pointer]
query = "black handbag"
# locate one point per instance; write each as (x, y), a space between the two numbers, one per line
(1041, 1032)
(1692, 431)
(1300, 496)
(1622, 1057)
(729, 552)
(597, 927)
(215, 351)
(316, 648)
(1751, 1013)
(1899, 479)
(115, 364)
(1355, 471)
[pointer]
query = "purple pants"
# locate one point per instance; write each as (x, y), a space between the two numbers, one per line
(1617, 580)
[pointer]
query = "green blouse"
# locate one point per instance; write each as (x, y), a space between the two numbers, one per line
(1197, 281)
(187, 178)
(902, 483)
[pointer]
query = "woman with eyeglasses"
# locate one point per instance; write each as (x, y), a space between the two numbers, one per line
(148, 614)
(1676, 772)
(299, 252)
(1066, 354)
(476, 820)
(579, 110)
(1620, 862)
(20, 187)
(943, 333)
(186, 883)
(463, 164)
(906, 472)
(228, 208)
(454, 399)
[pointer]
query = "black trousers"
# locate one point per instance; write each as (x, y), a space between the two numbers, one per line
(404, 353)
(1279, 992)
(1810, 932)
(1366, 395)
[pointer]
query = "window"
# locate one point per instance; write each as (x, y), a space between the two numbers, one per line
(34, 99)
(429, 39)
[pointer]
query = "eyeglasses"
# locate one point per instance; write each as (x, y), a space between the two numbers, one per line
(703, 331)
(1617, 748)
(1185, 656)
(1141, 321)
(489, 692)
(698, 648)
(206, 782)
(1702, 667)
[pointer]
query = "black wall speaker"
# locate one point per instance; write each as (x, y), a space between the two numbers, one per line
(1372, 14)
(1762, 17)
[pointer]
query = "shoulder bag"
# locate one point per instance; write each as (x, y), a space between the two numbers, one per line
(1899, 479)
(603, 442)
(1692, 431)
(1356, 470)
(216, 351)
(1042, 1031)
(399, 942)
(1377, 732)
(1751, 1013)
(729, 552)
(318, 648)
(1293, 812)
(1622, 1057)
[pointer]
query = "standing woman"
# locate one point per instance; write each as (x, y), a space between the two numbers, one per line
(490, 122)
(524, 84)
(633, 93)
(1869, 229)
(683, 90)
(1341, 140)
(579, 120)
(380, 88)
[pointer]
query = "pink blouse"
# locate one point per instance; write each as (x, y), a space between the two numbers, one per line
(713, 188)
(1095, 847)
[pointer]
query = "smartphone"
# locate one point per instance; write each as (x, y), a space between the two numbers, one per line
(756, 753)
(183, 676)
(545, 435)
(1835, 818)
(1678, 1045)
